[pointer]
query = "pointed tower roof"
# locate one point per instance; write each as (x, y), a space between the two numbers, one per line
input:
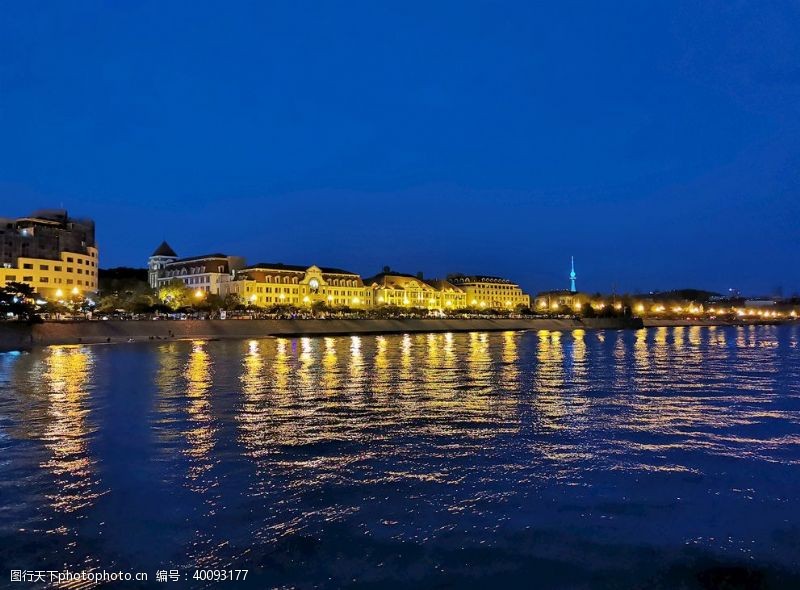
(164, 250)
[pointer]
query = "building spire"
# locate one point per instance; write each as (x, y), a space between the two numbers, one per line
(572, 276)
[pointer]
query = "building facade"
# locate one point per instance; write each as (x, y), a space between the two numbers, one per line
(157, 263)
(270, 284)
(204, 274)
(405, 290)
(55, 254)
(485, 292)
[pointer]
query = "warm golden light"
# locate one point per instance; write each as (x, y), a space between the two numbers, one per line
(75, 290)
(59, 293)
(198, 293)
(306, 299)
(356, 301)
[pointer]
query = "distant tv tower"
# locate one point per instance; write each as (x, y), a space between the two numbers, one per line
(572, 276)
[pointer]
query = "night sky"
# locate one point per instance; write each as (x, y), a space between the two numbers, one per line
(657, 142)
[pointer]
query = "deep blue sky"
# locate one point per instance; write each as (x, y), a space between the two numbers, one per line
(658, 142)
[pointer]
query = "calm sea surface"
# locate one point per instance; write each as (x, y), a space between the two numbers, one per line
(661, 458)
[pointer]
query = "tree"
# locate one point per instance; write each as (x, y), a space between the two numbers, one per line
(232, 302)
(175, 294)
(18, 299)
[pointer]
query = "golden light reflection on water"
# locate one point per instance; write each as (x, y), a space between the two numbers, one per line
(201, 432)
(436, 424)
(67, 371)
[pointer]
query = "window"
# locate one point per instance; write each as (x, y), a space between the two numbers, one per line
(27, 266)
(27, 279)
(57, 268)
(11, 277)
(44, 280)
(69, 269)
(70, 259)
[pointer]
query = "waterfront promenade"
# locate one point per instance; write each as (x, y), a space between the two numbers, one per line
(20, 336)
(14, 336)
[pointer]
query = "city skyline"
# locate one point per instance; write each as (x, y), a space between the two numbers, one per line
(656, 144)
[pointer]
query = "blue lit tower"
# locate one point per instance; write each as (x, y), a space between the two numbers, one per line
(572, 276)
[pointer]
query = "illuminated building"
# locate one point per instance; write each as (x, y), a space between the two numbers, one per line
(485, 292)
(450, 296)
(157, 262)
(203, 274)
(50, 251)
(268, 284)
(405, 290)
(560, 300)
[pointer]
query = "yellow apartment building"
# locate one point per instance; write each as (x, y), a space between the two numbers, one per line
(269, 284)
(50, 251)
(486, 292)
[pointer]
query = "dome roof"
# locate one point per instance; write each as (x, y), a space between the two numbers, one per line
(164, 250)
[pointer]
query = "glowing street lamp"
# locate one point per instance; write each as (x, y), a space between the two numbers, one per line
(75, 290)
(59, 293)
(198, 294)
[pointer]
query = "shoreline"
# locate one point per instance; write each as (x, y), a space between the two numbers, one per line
(21, 336)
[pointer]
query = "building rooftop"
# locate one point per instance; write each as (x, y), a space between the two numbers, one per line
(298, 268)
(202, 257)
(164, 250)
(464, 279)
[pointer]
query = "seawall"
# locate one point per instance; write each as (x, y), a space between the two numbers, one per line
(17, 336)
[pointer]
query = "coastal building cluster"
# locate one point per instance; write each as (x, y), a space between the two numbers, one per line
(268, 284)
(53, 253)
(57, 257)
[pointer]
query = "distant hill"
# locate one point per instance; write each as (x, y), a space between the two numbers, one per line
(698, 295)
(122, 278)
